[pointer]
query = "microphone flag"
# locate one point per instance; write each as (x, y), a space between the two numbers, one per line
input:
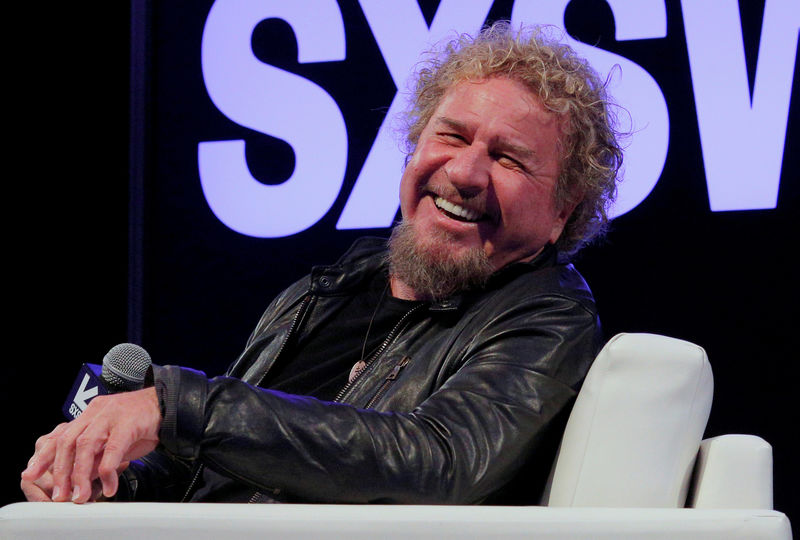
(86, 387)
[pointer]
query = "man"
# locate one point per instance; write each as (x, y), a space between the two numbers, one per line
(441, 372)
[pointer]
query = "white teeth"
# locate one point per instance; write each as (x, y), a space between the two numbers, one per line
(460, 211)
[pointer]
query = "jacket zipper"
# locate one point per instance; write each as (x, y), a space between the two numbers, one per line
(257, 496)
(387, 382)
(292, 328)
(192, 483)
(301, 311)
(384, 345)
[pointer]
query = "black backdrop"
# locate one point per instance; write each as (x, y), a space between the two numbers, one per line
(175, 279)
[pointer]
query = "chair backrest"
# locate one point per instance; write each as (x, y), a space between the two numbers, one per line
(634, 432)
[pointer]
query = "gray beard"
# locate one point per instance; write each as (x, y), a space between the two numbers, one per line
(430, 268)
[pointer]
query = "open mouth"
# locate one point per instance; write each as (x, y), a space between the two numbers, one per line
(456, 211)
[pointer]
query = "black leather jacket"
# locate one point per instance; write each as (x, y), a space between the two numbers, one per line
(468, 394)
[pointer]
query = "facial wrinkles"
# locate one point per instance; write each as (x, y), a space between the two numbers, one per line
(481, 201)
(440, 184)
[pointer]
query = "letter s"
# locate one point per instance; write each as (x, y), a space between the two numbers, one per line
(273, 101)
(637, 91)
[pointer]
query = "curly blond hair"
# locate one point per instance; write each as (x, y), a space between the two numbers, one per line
(565, 84)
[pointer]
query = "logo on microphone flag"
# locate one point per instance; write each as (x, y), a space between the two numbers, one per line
(87, 386)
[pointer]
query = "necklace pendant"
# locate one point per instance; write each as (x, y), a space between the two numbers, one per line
(356, 370)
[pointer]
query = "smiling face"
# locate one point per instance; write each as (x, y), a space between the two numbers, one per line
(483, 175)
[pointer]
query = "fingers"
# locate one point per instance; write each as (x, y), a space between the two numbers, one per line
(88, 449)
(93, 452)
(110, 465)
(96, 445)
(63, 463)
(39, 466)
(39, 491)
(99, 463)
(34, 493)
(97, 485)
(43, 455)
(70, 456)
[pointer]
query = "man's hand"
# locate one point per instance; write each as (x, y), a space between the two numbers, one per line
(113, 430)
(41, 490)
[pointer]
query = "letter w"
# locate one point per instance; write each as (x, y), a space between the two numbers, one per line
(742, 139)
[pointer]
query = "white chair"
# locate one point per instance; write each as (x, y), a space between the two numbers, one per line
(630, 456)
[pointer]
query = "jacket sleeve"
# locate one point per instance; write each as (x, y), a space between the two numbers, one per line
(517, 377)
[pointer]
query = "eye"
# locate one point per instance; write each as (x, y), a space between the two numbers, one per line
(452, 136)
(509, 162)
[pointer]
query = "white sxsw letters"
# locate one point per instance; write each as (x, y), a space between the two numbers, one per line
(742, 139)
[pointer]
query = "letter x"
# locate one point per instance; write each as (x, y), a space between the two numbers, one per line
(401, 33)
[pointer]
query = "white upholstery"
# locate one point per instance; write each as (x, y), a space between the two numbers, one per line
(633, 434)
(733, 471)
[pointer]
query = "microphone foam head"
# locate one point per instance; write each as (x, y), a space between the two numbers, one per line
(124, 366)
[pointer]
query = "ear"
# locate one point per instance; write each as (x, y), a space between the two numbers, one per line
(562, 216)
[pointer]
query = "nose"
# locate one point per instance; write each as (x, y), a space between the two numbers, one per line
(468, 170)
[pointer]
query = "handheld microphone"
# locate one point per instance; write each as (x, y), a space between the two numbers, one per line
(123, 370)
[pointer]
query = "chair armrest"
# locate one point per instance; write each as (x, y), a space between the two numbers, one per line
(733, 471)
(122, 521)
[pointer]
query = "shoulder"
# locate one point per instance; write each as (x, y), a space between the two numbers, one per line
(548, 296)
(542, 280)
(544, 317)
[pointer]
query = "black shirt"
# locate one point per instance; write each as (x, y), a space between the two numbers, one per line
(320, 362)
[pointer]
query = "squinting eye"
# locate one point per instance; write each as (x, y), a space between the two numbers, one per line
(455, 136)
(507, 161)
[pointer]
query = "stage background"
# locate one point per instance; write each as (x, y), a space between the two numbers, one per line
(99, 259)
